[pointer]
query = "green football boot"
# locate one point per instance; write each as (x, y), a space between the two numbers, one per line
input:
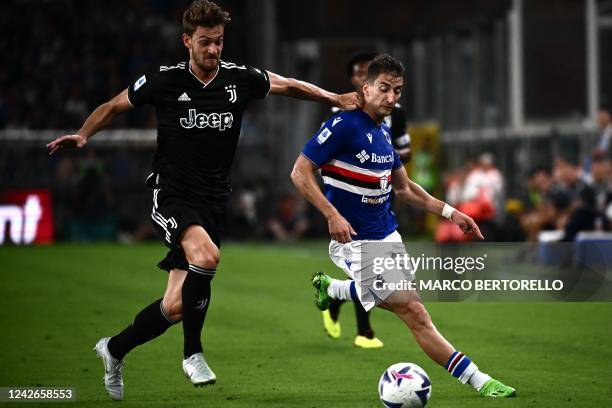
(496, 389)
(321, 281)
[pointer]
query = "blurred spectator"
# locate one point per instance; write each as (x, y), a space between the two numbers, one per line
(510, 229)
(540, 210)
(244, 218)
(289, 222)
(539, 183)
(473, 190)
(486, 183)
(604, 145)
(568, 182)
(591, 210)
(554, 198)
(453, 182)
(483, 193)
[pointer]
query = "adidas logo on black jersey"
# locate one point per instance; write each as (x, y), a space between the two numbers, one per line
(184, 97)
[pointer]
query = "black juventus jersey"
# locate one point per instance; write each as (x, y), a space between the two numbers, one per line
(198, 124)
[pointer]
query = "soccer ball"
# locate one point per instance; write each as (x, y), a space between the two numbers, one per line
(404, 385)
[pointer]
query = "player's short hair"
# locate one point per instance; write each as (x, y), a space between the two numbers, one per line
(204, 13)
(384, 64)
(358, 58)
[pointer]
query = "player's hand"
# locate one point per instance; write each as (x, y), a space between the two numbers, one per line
(340, 229)
(349, 101)
(66, 142)
(467, 224)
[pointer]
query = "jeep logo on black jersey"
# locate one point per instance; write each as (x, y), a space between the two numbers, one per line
(202, 120)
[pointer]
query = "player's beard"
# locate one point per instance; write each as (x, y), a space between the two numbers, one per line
(206, 63)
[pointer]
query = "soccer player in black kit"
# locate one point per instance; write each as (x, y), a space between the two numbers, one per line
(199, 106)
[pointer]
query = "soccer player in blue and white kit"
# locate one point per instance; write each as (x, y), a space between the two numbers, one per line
(360, 168)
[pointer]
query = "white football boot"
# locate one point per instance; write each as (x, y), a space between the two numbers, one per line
(113, 378)
(196, 369)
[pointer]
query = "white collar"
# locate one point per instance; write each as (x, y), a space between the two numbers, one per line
(202, 82)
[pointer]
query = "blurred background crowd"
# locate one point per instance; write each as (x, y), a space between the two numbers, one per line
(507, 103)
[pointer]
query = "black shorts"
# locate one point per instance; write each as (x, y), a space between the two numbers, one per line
(173, 212)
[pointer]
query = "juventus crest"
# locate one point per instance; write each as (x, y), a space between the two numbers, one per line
(231, 89)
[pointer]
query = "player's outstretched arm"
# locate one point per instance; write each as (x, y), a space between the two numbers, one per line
(304, 180)
(295, 88)
(97, 120)
(410, 192)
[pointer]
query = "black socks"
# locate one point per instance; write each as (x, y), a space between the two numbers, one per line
(363, 317)
(363, 322)
(149, 323)
(196, 298)
(334, 309)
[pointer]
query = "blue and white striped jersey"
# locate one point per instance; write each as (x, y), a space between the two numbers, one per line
(356, 158)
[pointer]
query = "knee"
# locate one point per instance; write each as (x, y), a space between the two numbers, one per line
(173, 308)
(415, 315)
(204, 256)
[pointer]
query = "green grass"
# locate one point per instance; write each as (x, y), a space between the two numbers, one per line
(263, 336)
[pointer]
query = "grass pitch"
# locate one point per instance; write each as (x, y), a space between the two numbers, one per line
(264, 338)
